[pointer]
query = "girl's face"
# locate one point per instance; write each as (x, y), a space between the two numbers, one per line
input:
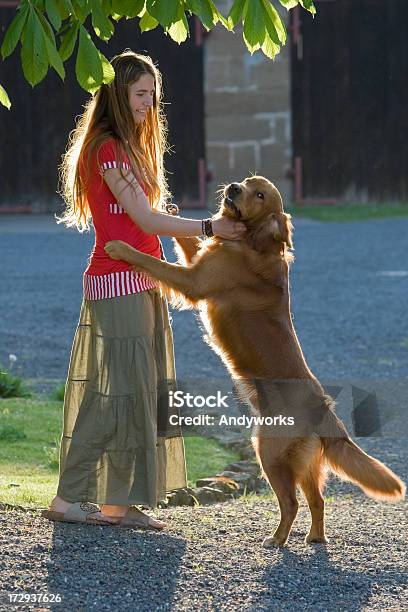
(141, 95)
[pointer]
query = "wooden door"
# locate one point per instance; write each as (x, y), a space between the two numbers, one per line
(349, 99)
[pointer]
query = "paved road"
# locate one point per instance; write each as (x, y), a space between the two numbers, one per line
(349, 297)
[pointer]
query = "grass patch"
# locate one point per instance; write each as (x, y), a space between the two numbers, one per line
(29, 449)
(11, 386)
(59, 393)
(349, 212)
(205, 457)
(9, 433)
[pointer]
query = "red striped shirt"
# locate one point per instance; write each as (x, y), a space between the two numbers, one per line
(101, 287)
(104, 277)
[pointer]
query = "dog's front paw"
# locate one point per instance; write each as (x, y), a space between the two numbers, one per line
(116, 249)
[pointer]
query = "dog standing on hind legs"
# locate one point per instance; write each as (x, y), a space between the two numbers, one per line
(242, 291)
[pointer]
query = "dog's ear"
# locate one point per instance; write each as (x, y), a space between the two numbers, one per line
(282, 228)
(276, 227)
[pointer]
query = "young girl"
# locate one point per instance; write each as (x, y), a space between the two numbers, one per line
(116, 448)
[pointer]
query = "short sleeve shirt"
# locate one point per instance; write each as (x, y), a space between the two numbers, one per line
(106, 277)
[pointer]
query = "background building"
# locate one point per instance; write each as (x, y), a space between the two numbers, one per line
(325, 121)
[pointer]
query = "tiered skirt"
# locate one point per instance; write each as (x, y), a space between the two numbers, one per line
(118, 445)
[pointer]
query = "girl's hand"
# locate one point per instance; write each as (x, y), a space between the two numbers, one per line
(228, 229)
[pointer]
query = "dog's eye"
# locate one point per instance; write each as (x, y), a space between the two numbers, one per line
(260, 195)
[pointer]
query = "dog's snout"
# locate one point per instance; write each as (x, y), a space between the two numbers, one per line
(234, 189)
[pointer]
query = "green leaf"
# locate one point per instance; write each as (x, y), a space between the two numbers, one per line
(14, 30)
(53, 55)
(147, 22)
(216, 15)
(45, 24)
(179, 31)
(270, 48)
(68, 41)
(254, 25)
(53, 14)
(81, 9)
(289, 4)
(55, 59)
(274, 24)
(88, 67)
(165, 11)
(107, 7)
(4, 99)
(65, 8)
(308, 5)
(128, 8)
(101, 24)
(107, 70)
(235, 14)
(202, 10)
(34, 56)
(207, 13)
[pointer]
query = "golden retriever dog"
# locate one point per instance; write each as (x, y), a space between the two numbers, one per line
(242, 290)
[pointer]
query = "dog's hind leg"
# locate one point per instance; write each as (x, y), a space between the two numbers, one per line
(282, 480)
(283, 483)
(312, 485)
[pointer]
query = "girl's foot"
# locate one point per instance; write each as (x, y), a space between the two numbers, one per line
(60, 505)
(138, 518)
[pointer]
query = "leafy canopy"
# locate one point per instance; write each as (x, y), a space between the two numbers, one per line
(49, 31)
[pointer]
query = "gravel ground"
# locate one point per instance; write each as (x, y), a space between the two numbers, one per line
(349, 290)
(211, 558)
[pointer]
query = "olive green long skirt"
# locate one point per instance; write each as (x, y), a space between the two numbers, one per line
(117, 446)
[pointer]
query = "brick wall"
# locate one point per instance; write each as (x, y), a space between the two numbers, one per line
(247, 111)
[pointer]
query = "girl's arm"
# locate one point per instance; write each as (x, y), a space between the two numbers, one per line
(132, 198)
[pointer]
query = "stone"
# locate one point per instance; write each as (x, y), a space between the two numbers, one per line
(224, 127)
(208, 495)
(246, 451)
(250, 467)
(231, 438)
(226, 485)
(180, 497)
(244, 481)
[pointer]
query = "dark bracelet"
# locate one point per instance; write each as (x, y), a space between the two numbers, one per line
(206, 228)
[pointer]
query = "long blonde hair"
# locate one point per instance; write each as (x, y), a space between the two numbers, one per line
(107, 114)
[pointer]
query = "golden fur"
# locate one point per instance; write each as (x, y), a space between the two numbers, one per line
(242, 289)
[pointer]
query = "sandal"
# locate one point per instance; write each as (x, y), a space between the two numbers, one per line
(79, 512)
(135, 518)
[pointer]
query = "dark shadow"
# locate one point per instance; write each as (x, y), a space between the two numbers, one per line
(366, 414)
(315, 581)
(107, 568)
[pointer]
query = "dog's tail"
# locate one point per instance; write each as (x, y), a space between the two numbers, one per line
(351, 463)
